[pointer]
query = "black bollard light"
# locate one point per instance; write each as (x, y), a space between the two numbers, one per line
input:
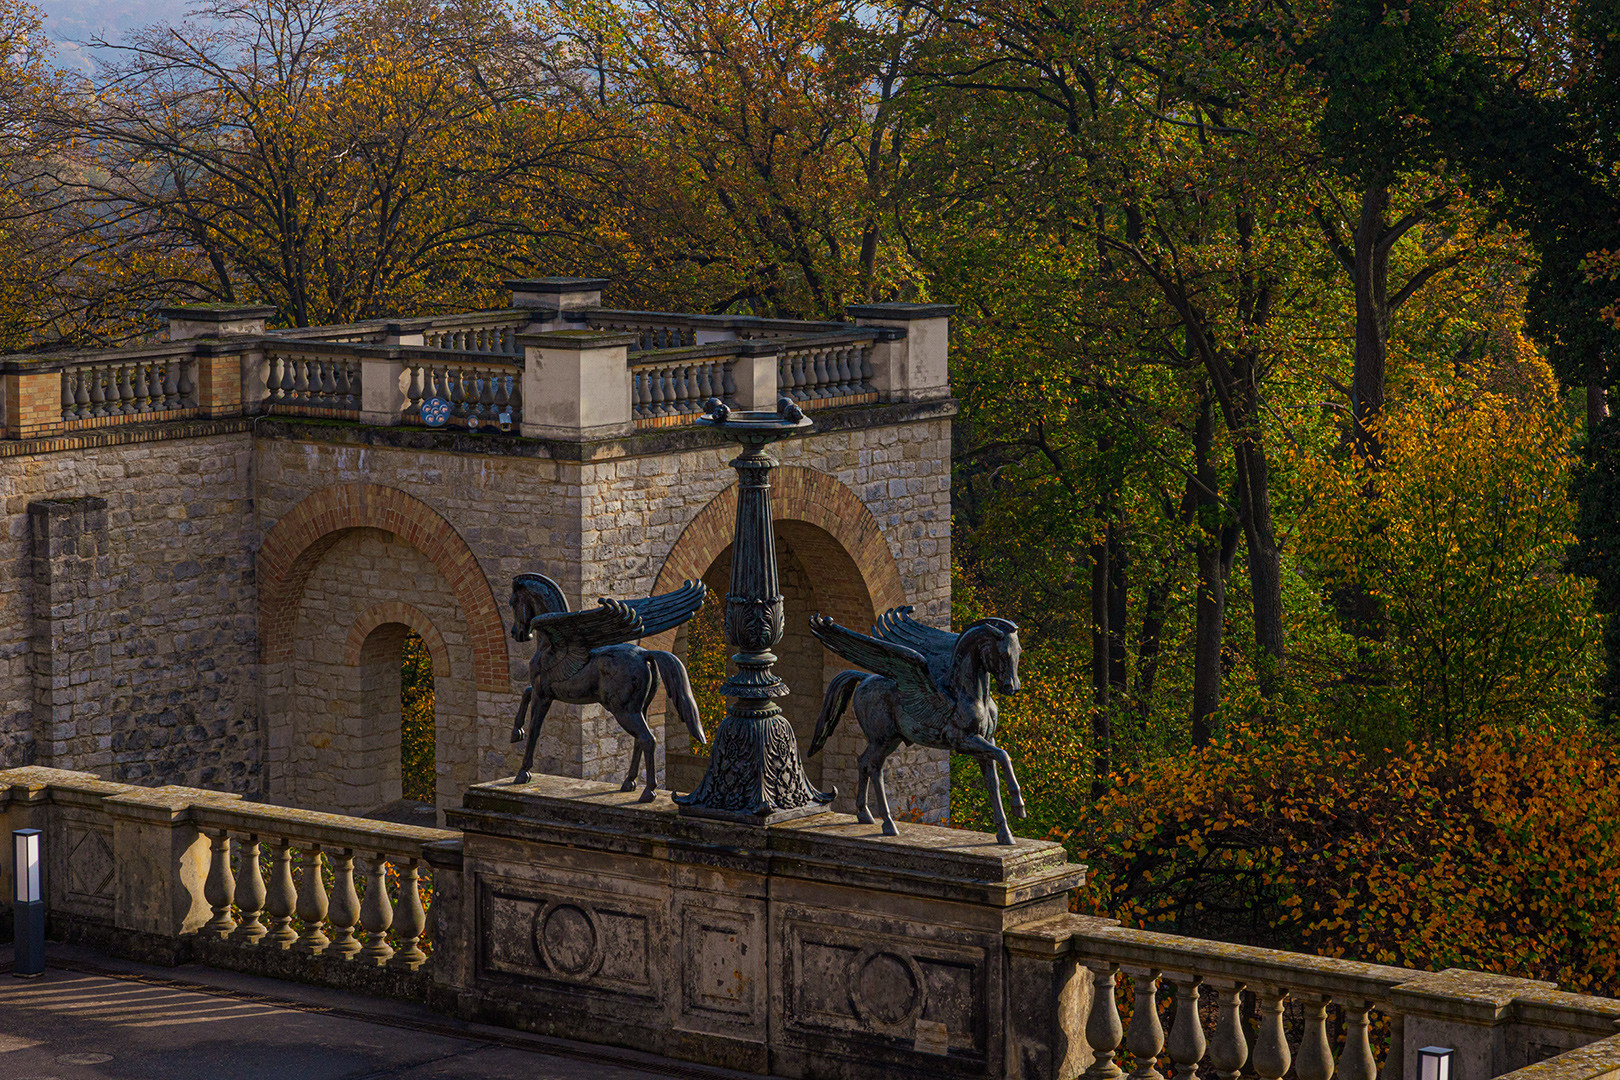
(29, 904)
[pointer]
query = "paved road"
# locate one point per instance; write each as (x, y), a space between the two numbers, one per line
(115, 1021)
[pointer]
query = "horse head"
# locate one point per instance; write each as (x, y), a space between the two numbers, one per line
(995, 643)
(521, 609)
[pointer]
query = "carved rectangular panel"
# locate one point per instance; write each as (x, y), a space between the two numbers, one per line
(572, 936)
(867, 985)
(723, 962)
(89, 873)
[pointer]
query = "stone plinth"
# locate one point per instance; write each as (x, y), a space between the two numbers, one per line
(816, 947)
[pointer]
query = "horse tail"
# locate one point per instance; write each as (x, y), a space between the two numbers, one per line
(839, 691)
(679, 687)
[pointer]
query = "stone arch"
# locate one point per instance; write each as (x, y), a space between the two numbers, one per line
(394, 611)
(295, 544)
(797, 494)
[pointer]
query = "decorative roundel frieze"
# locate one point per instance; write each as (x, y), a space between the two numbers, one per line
(568, 939)
(435, 411)
(886, 988)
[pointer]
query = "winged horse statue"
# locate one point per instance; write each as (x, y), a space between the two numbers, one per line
(932, 688)
(590, 657)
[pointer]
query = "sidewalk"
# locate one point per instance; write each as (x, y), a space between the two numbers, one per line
(90, 1016)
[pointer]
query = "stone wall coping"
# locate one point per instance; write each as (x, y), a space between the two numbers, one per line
(832, 848)
(906, 312)
(577, 339)
(650, 442)
(218, 313)
(38, 363)
(557, 285)
(1598, 1061)
(215, 810)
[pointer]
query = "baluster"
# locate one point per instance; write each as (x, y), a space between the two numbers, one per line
(1356, 1061)
(283, 899)
(1315, 1050)
(345, 905)
(81, 393)
(800, 389)
(820, 389)
(846, 374)
(171, 385)
(272, 378)
(376, 913)
(486, 391)
(126, 393)
(696, 395)
(329, 384)
(784, 374)
(68, 378)
(142, 400)
(655, 379)
(412, 918)
(289, 379)
(98, 392)
(1271, 1058)
(1146, 1037)
(678, 394)
(868, 372)
(639, 394)
(1187, 1033)
(728, 385)
(184, 388)
(217, 887)
(312, 905)
(1229, 1051)
(300, 386)
(249, 892)
(1103, 1029)
(514, 395)
(413, 391)
(503, 398)
(706, 384)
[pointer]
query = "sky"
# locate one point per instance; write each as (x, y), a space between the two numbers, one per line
(71, 22)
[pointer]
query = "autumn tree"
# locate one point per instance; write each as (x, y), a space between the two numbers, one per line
(341, 161)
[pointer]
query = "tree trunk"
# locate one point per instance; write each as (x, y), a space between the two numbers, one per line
(1102, 735)
(1597, 407)
(1118, 593)
(1214, 550)
(1148, 645)
(1370, 271)
(1265, 556)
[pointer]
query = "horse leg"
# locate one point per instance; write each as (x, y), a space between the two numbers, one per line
(989, 756)
(876, 769)
(537, 715)
(646, 746)
(635, 766)
(523, 707)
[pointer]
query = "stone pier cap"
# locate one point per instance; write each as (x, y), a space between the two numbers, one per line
(923, 860)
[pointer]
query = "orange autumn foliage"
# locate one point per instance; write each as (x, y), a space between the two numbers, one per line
(1497, 854)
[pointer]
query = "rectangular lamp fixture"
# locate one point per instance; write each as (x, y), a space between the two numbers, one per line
(25, 865)
(1434, 1063)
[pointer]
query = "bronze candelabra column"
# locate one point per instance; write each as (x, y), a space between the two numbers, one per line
(755, 773)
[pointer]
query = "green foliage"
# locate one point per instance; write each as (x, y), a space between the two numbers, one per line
(417, 733)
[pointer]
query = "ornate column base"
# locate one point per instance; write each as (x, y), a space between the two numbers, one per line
(754, 774)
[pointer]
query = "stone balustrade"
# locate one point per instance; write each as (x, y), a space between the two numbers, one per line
(174, 873)
(1076, 971)
(566, 907)
(598, 372)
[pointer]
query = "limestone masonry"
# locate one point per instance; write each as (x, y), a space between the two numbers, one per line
(215, 593)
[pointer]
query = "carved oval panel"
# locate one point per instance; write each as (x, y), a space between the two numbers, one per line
(567, 938)
(886, 987)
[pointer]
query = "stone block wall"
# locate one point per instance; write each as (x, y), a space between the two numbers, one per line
(126, 575)
(192, 600)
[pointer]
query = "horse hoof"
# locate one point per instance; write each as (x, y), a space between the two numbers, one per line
(649, 795)
(864, 816)
(628, 785)
(1005, 836)
(890, 829)
(522, 778)
(1018, 810)
(517, 735)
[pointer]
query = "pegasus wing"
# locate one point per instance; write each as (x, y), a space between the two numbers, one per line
(660, 613)
(898, 626)
(920, 696)
(573, 634)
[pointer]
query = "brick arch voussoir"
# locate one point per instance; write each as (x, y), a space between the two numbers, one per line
(295, 545)
(396, 611)
(797, 494)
